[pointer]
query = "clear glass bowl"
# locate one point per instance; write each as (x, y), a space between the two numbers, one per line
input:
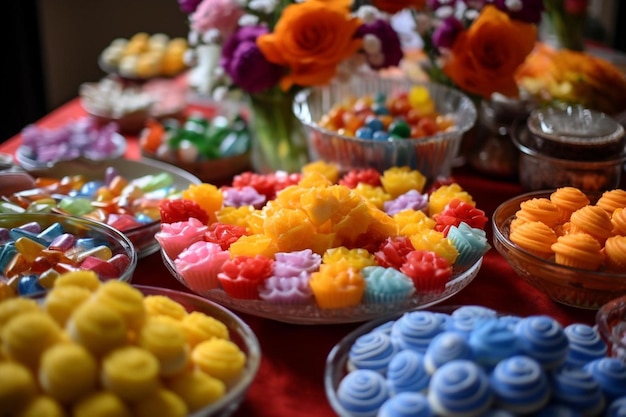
(571, 286)
(432, 156)
(142, 237)
(240, 333)
(116, 240)
(611, 323)
(312, 314)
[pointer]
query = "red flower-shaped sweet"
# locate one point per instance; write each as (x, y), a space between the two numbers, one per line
(457, 211)
(224, 234)
(393, 252)
(180, 210)
(368, 176)
(263, 184)
(429, 271)
(249, 268)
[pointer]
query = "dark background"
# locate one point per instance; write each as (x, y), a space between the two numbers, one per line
(52, 46)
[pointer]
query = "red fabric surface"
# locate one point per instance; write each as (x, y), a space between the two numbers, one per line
(290, 378)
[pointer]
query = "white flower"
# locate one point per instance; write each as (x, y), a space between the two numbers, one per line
(514, 5)
(248, 20)
(211, 36)
(263, 6)
(368, 14)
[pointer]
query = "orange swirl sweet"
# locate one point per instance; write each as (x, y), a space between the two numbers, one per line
(615, 253)
(578, 250)
(618, 220)
(535, 237)
(539, 209)
(568, 200)
(593, 220)
(612, 199)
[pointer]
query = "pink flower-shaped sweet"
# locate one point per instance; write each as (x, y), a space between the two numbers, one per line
(200, 264)
(292, 264)
(221, 15)
(413, 200)
(175, 237)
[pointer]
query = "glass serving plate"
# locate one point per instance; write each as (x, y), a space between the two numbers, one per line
(312, 314)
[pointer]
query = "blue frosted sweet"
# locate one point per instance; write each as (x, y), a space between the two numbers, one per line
(557, 410)
(493, 340)
(576, 388)
(386, 285)
(470, 242)
(460, 388)
(543, 339)
(617, 408)
(406, 372)
(520, 385)
(362, 392)
(373, 351)
(610, 374)
(464, 318)
(585, 345)
(446, 347)
(406, 404)
(415, 329)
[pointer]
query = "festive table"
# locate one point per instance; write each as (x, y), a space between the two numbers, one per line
(290, 378)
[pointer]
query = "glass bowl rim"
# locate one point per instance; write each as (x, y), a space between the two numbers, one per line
(544, 264)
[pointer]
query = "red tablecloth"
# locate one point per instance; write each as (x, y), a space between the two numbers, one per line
(290, 379)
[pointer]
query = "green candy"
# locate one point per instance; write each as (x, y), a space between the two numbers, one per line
(76, 206)
(400, 129)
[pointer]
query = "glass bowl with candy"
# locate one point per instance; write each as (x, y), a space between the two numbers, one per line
(122, 193)
(35, 248)
(184, 355)
(317, 247)
(472, 360)
(567, 243)
(377, 122)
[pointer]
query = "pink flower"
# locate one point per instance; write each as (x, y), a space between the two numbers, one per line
(221, 15)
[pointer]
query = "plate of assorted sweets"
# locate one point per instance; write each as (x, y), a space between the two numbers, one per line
(473, 361)
(318, 246)
(109, 348)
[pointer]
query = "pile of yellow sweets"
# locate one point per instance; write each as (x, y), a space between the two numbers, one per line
(91, 349)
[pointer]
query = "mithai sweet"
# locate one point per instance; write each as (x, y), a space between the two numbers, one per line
(319, 236)
(578, 236)
(538, 368)
(116, 353)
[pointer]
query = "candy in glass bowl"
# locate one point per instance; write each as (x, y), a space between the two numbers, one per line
(128, 350)
(378, 122)
(569, 244)
(471, 360)
(36, 248)
(121, 193)
(319, 247)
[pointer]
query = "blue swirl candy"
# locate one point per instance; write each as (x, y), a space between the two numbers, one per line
(464, 318)
(520, 385)
(576, 388)
(585, 345)
(445, 347)
(610, 374)
(493, 340)
(406, 372)
(415, 329)
(373, 351)
(406, 404)
(617, 408)
(543, 339)
(362, 392)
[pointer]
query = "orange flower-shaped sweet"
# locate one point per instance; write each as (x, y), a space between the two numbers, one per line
(485, 57)
(311, 39)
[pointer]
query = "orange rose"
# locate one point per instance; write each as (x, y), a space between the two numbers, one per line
(311, 39)
(484, 58)
(394, 6)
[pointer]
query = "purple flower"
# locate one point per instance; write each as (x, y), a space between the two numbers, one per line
(188, 6)
(445, 34)
(244, 62)
(528, 11)
(389, 41)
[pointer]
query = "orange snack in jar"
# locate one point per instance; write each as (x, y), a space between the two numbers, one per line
(539, 209)
(593, 220)
(618, 220)
(578, 250)
(568, 200)
(611, 200)
(615, 253)
(535, 237)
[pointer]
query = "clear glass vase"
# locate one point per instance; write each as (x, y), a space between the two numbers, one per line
(279, 140)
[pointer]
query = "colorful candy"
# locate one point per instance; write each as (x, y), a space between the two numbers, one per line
(399, 115)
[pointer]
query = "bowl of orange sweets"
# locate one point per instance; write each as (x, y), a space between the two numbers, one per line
(567, 243)
(381, 122)
(110, 348)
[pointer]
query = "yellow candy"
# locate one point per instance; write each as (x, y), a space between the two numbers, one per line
(337, 285)
(434, 241)
(13, 307)
(61, 302)
(162, 403)
(375, 195)
(208, 196)
(220, 358)
(238, 216)
(399, 180)
(161, 305)
(130, 372)
(443, 195)
(411, 222)
(17, 387)
(101, 404)
(28, 335)
(124, 299)
(197, 389)
(419, 98)
(199, 327)
(356, 258)
(42, 406)
(82, 278)
(330, 171)
(254, 245)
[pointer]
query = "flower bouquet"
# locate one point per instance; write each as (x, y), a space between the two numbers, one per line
(270, 49)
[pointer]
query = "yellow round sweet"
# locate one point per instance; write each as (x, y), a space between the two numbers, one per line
(27, 336)
(17, 387)
(166, 341)
(197, 389)
(124, 299)
(68, 372)
(101, 404)
(81, 278)
(162, 403)
(199, 327)
(97, 327)
(42, 406)
(130, 372)
(157, 305)
(13, 307)
(61, 301)
(219, 358)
